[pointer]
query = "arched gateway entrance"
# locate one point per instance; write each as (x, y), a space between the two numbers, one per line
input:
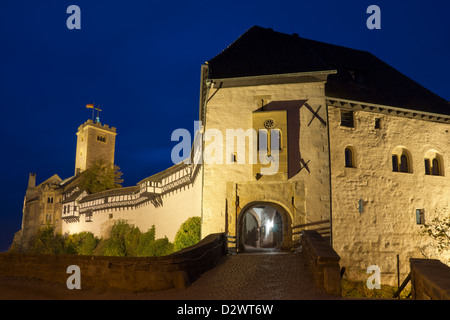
(263, 225)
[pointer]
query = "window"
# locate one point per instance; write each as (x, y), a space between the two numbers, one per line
(101, 138)
(433, 164)
(420, 216)
(276, 134)
(347, 118)
(403, 163)
(401, 160)
(377, 123)
(265, 138)
(395, 163)
(435, 167)
(427, 166)
(349, 158)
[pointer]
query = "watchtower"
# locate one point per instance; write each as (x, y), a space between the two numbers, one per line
(94, 142)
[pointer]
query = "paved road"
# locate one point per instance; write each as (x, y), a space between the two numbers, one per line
(247, 276)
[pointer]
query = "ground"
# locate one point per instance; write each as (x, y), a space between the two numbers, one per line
(272, 275)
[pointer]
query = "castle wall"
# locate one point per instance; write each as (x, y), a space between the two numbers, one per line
(167, 213)
(387, 224)
(229, 188)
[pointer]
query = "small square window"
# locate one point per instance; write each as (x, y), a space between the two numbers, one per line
(377, 123)
(347, 118)
(420, 216)
(110, 215)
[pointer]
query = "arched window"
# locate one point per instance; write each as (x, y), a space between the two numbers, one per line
(395, 163)
(434, 163)
(401, 160)
(435, 167)
(427, 166)
(349, 158)
(403, 163)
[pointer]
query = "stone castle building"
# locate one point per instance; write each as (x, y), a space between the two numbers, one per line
(363, 155)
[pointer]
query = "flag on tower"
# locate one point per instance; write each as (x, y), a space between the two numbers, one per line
(90, 106)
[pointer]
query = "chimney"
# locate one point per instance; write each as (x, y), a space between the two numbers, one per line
(32, 181)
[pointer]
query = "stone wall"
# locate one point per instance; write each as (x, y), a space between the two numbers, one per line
(430, 280)
(229, 189)
(137, 274)
(323, 260)
(386, 224)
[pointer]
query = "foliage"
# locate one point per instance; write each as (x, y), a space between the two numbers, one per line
(123, 241)
(159, 247)
(83, 243)
(145, 242)
(45, 241)
(439, 231)
(188, 234)
(100, 177)
(129, 241)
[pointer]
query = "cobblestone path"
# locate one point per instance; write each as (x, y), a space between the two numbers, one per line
(245, 276)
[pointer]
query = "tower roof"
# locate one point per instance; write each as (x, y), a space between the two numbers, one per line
(98, 125)
(360, 75)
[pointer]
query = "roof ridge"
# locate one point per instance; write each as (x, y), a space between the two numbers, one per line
(236, 40)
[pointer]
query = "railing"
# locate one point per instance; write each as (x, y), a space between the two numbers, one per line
(71, 215)
(323, 227)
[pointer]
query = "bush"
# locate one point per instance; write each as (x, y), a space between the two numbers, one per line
(188, 234)
(159, 247)
(83, 243)
(145, 241)
(45, 241)
(123, 241)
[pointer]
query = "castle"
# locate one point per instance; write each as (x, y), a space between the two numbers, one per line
(362, 157)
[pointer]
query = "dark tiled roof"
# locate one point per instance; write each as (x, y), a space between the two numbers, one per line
(111, 192)
(73, 197)
(360, 75)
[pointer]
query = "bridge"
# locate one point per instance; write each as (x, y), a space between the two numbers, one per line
(202, 272)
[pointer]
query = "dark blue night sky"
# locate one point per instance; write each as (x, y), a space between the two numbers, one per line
(140, 61)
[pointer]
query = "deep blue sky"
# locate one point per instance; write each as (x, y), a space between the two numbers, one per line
(140, 61)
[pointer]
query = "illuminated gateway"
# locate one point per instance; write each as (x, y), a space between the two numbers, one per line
(364, 156)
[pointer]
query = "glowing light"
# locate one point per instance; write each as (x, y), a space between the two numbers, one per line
(269, 224)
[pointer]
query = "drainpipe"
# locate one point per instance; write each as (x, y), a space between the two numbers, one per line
(329, 174)
(202, 115)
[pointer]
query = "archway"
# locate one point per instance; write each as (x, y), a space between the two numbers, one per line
(262, 226)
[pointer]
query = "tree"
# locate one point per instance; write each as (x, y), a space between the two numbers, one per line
(123, 241)
(144, 247)
(100, 177)
(188, 234)
(439, 231)
(83, 243)
(46, 241)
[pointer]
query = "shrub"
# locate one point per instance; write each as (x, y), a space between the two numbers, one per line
(146, 239)
(123, 241)
(45, 241)
(188, 234)
(159, 247)
(83, 243)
